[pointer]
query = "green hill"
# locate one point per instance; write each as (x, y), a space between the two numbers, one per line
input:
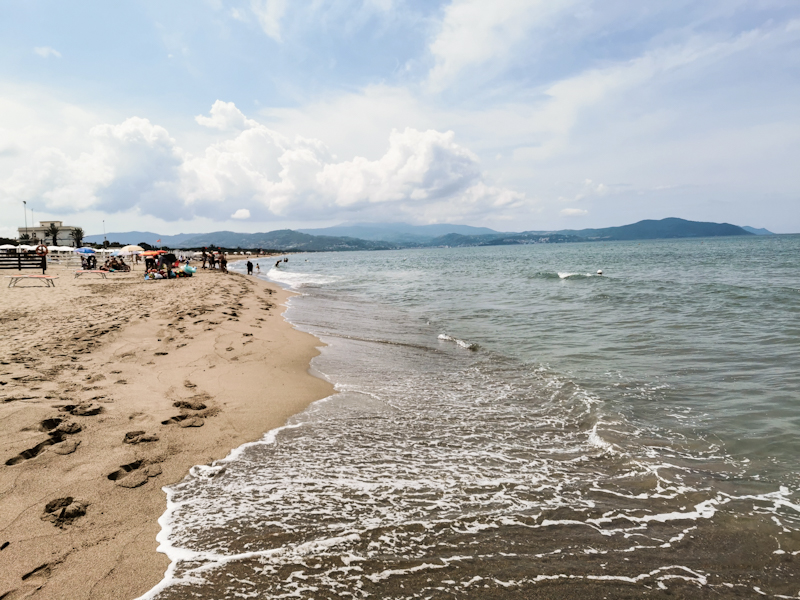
(664, 229)
(282, 239)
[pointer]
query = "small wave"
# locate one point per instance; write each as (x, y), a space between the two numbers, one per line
(462, 343)
(298, 280)
(576, 275)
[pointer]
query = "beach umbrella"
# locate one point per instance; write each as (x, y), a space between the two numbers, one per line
(7, 247)
(154, 252)
(132, 249)
(84, 250)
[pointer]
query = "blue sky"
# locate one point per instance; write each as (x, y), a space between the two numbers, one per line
(513, 114)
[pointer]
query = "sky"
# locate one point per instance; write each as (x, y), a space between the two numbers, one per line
(255, 115)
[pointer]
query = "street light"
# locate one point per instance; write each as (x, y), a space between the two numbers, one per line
(25, 210)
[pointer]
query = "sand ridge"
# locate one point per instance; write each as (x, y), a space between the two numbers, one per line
(111, 389)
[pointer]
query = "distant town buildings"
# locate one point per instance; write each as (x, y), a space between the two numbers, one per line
(42, 233)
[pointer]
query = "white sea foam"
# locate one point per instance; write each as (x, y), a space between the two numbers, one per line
(431, 465)
(296, 280)
(466, 345)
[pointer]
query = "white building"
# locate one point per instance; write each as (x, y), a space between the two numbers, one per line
(42, 235)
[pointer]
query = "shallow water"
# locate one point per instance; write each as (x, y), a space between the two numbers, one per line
(511, 425)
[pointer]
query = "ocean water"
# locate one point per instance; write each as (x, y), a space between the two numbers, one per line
(509, 424)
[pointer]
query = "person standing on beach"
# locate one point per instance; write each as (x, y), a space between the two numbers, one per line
(249, 268)
(223, 263)
(258, 268)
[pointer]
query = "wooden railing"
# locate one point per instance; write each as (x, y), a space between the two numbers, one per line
(23, 261)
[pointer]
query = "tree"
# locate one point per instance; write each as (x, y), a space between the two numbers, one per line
(24, 237)
(77, 236)
(53, 231)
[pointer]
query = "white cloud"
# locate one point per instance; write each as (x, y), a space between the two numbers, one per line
(474, 32)
(264, 174)
(573, 212)
(225, 116)
(418, 167)
(269, 14)
(46, 52)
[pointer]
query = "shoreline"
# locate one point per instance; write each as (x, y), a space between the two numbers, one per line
(200, 369)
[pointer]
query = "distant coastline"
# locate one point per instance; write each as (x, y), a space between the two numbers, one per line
(392, 236)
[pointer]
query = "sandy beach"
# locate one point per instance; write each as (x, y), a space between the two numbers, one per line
(111, 389)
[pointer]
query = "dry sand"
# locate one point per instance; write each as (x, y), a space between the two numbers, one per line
(111, 389)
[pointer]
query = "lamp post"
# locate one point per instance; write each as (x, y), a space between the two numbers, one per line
(25, 211)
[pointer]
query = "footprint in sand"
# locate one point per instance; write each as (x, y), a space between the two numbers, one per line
(185, 421)
(139, 437)
(86, 410)
(63, 511)
(189, 404)
(57, 430)
(35, 451)
(65, 447)
(50, 424)
(68, 428)
(134, 474)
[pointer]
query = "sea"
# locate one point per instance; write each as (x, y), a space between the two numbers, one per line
(509, 423)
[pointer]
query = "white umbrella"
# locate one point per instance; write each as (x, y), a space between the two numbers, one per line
(131, 249)
(7, 247)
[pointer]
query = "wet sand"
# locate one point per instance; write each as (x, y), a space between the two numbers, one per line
(111, 389)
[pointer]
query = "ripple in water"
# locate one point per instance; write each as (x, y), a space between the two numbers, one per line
(441, 473)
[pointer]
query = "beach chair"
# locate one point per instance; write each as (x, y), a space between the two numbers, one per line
(100, 272)
(49, 280)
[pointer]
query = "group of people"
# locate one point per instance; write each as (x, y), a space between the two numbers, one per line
(250, 267)
(166, 266)
(214, 260)
(114, 263)
(89, 263)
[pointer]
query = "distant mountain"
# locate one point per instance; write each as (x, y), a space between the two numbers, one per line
(453, 240)
(385, 236)
(134, 237)
(398, 233)
(284, 239)
(760, 231)
(663, 229)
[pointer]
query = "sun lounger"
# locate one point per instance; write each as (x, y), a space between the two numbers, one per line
(90, 271)
(49, 280)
